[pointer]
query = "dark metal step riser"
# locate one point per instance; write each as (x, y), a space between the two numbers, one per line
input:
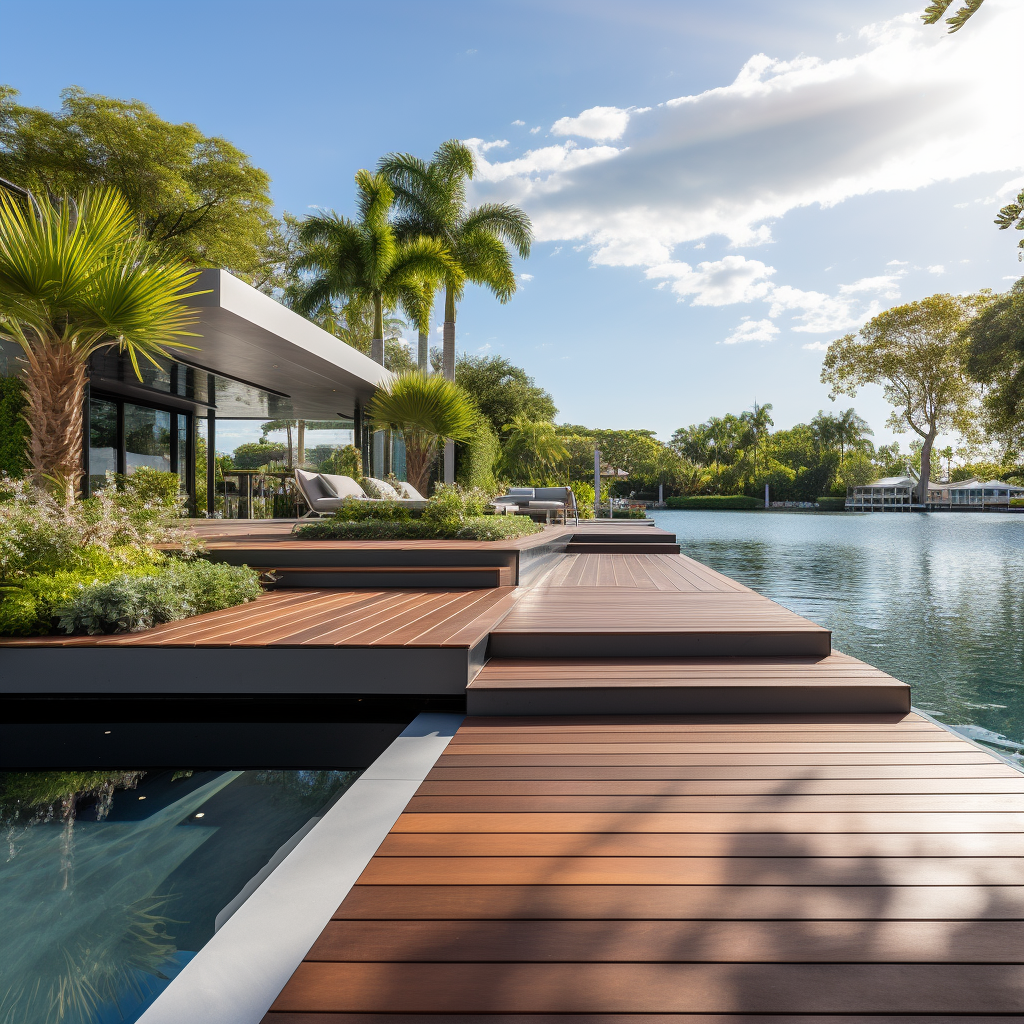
(817, 644)
(384, 580)
(580, 548)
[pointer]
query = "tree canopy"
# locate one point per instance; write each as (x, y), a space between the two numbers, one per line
(918, 355)
(196, 197)
(503, 392)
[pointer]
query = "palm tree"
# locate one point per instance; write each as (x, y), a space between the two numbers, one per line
(427, 411)
(431, 198)
(757, 423)
(850, 430)
(365, 259)
(533, 447)
(76, 278)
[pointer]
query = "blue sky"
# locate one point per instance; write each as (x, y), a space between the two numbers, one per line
(719, 190)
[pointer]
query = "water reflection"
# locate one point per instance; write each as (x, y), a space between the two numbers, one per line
(937, 600)
(110, 883)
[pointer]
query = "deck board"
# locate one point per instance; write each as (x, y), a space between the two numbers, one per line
(563, 881)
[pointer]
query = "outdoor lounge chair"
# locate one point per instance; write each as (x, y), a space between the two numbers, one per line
(533, 501)
(325, 493)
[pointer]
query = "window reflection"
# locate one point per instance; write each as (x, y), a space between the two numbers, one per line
(102, 441)
(147, 438)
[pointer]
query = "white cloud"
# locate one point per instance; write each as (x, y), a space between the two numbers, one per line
(752, 330)
(937, 268)
(817, 346)
(526, 277)
(912, 107)
(721, 283)
(896, 263)
(885, 285)
(518, 122)
(483, 147)
(602, 124)
(701, 245)
(1010, 188)
(533, 131)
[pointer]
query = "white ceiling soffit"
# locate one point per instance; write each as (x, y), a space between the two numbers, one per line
(249, 336)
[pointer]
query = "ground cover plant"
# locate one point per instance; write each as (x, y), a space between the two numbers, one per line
(453, 513)
(93, 566)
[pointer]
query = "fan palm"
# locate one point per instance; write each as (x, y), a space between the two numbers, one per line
(365, 259)
(532, 446)
(76, 278)
(431, 198)
(427, 411)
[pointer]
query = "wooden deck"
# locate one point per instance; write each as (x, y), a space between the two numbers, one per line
(287, 641)
(615, 605)
(621, 869)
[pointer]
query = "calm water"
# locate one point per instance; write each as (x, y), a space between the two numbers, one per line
(935, 599)
(102, 907)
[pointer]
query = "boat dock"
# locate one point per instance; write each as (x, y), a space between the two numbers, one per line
(671, 800)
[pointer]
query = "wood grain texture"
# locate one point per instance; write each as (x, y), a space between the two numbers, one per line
(682, 902)
(672, 941)
(654, 988)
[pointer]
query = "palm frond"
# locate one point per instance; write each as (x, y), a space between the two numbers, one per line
(414, 402)
(487, 262)
(504, 221)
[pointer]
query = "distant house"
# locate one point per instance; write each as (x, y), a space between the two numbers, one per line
(896, 494)
(890, 494)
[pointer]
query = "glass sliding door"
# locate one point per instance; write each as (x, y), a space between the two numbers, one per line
(125, 436)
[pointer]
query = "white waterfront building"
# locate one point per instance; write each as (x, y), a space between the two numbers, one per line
(896, 494)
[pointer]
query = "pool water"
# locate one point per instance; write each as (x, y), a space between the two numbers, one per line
(110, 882)
(935, 599)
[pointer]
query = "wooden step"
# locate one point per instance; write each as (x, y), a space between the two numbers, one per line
(397, 576)
(615, 622)
(576, 547)
(613, 686)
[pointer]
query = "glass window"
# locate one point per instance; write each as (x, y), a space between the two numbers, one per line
(147, 438)
(102, 441)
(182, 450)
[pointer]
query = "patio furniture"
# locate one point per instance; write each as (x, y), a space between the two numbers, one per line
(325, 493)
(536, 501)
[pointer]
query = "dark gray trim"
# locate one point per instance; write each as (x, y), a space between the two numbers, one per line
(238, 670)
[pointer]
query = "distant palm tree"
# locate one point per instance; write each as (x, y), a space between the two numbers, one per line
(850, 430)
(76, 278)
(531, 447)
(757, 422)
(431, 198)
(426, 411)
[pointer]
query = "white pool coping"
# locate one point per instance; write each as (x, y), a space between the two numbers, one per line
(238, 974)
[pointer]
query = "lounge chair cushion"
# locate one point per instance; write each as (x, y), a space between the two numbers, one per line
(313, 485)
(522, 492)
(342, 486)
(552, 494)
(383, 489)
(408, 491)
(547, 504)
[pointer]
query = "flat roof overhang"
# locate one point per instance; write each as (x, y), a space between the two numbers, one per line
(250, 337)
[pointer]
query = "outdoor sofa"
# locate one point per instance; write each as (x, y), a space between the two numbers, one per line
(533, 501)
(325, 493)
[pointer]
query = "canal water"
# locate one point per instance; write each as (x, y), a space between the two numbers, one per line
(935, 599)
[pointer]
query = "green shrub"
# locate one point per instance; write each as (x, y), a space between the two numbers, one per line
(343, 462)
(13, 427)
(131, 602)
(724, 501)
(30, 606)
(474, 528)
(258, 453)
(357, 510)
(151, 488)
(830, 504)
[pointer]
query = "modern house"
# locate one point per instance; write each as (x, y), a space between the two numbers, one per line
(890, 494)
(253, 359)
